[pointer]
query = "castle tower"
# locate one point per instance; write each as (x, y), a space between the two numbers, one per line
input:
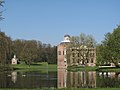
(61, 52)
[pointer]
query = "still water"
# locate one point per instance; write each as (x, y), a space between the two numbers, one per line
(28, 80)
(87, 79)
(60, 79)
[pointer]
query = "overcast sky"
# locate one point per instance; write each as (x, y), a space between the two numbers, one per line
(49, 20)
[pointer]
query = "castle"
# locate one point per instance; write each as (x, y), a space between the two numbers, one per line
(81, 55)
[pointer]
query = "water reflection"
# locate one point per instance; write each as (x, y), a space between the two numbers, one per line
(14, 76)
(108, 79)
(60, 79)
(87, 79)
(28, 80)
(76, 79)
(107, 74)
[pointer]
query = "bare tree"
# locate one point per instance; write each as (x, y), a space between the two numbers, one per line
(1, 5)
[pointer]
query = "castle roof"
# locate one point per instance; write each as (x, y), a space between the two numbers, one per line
(66, 35)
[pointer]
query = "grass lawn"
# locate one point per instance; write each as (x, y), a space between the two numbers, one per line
(43, 66)
(110, 69)
(82, 68)
(96, 68)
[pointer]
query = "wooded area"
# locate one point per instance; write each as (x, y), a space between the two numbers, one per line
(109, 50)
(26, 50)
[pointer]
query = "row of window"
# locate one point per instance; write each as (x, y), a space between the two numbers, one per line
(78, 55)
(78, 61)
(91, 50)
(61, 52)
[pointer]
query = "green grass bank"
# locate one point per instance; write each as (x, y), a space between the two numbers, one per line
(96, 68)
(53, 67)
(35, 67)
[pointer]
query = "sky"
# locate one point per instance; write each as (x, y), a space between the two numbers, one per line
(49, 20)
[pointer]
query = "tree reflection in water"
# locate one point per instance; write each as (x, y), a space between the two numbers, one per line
(87, 79)
(60, 79)
(28, 80)
(81, 79)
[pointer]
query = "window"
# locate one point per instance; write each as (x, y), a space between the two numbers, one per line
(59, 52)
(92, 60)
(87, 61)
(63, 52)
(73, 55)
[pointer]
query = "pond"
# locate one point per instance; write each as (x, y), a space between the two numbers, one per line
(88, 79)
(28, 80)
(60, 79)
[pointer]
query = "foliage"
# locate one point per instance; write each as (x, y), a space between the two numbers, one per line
(86, 40)
(34, 51)
(80, 42)
(27, 51)
(5, 48)
(1, 4)
(109, 50)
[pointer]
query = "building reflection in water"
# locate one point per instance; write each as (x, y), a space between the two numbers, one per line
(107, 74)
(61, 78)
(14, 76)
(76, 79)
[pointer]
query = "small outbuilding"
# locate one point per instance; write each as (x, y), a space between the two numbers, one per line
(14, 60)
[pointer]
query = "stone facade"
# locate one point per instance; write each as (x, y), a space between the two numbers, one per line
(81, 55)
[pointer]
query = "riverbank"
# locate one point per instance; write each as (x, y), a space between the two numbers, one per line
(91, 89)
(5, 68)
(35, 67)
(81, 68)
(96, 68)
(69, 89)
(53, 67)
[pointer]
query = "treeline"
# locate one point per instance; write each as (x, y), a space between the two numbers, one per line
(27, 51)
(109, 50)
